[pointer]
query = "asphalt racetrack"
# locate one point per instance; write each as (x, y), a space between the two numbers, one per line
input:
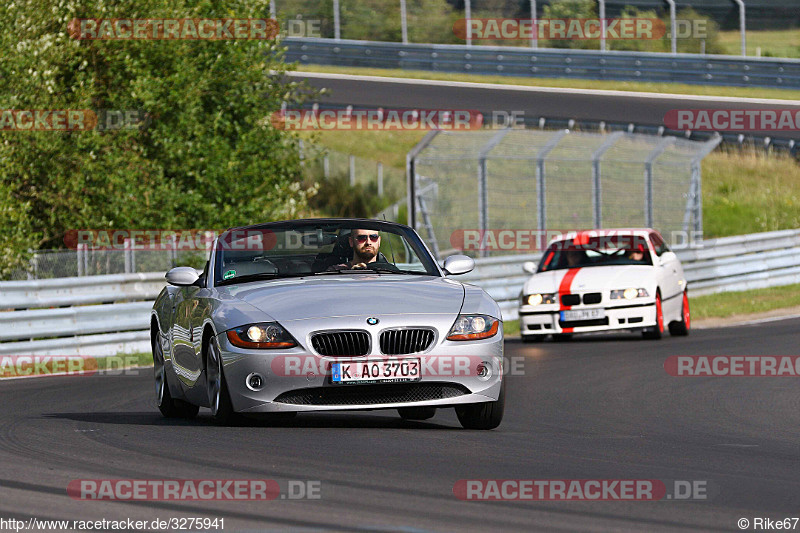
(595, 408)
(533, 102)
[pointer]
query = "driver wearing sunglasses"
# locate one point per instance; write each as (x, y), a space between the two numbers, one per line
(365, 244)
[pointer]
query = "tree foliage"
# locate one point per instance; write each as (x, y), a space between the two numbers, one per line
(207, 158)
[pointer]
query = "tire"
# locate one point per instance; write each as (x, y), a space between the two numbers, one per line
(655, 332)
(485, 415)
(532, 338)
(416, 413)
(218, 396)
(169, 407)
(681, 329)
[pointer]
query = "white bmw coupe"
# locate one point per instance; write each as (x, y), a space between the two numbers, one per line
(605, 280)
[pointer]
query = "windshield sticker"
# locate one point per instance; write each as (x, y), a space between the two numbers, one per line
(229, 274)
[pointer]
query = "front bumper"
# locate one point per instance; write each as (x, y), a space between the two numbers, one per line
(307, 386)
(625, 317)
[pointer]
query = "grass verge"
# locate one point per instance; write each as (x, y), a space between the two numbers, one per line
(773, 43)
(645, 87)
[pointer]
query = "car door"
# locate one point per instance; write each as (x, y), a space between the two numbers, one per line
(670, 276)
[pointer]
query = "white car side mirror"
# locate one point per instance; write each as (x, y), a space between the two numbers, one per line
(458, 264)
(529, 267)
(182, 276)
(668, 257)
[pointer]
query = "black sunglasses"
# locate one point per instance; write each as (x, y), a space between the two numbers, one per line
(372, 236)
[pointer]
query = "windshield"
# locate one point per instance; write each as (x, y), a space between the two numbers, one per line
(316, 248)
(596, 251)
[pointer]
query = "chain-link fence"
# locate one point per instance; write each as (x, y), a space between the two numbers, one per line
(514, 179)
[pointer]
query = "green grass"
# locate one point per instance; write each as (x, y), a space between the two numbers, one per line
(749, 191)
(773, 43)
(125, 360)
(726, 304)
(674, 88)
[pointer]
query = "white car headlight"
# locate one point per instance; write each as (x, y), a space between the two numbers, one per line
(629, 294)
(473, 327)
(539, 298)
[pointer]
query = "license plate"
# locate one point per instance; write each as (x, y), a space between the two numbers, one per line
(574, 315)
(376, 371)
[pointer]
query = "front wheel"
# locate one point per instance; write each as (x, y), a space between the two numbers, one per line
(655, 332)
(681, 329)
(218, 396)
(169, 407)
(486, 415)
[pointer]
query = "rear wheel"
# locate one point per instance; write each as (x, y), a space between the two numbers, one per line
(486, 415)
(655, 332)
(681, 329)
(218, 396)
(416, 413)
(169, 407)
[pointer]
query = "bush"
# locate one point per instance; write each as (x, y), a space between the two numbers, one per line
(207, 158)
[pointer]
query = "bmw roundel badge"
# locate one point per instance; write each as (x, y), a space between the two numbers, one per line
(372, 321)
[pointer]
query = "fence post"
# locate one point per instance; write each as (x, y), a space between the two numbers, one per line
(403, 21)
(326, 166)
(541, 206)
(597, 189)
(467, 16)
(411, 176)
(126, 247)
(352, 171)
(79, 258)
(535, 36)
(380, 179)
(673, 30)
(602, 25)
(337, 30)
(665, 143)
(483, 186)
(742, 26)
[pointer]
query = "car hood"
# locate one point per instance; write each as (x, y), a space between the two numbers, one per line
(350, 295)
(592, 279)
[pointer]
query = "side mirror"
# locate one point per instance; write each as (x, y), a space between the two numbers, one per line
(529, 267)
(458, 264)
(182, 276)
(668, 257)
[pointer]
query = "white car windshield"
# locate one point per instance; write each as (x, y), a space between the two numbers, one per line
(596, 251)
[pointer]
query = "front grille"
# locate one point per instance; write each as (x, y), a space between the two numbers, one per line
(371, 394)
(570, 299)
(592, 298)
(341, 343)
(404, 341)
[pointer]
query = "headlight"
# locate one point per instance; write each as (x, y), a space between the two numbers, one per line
(473, 327)
(629, 294)
(267, 335)
(536, 299)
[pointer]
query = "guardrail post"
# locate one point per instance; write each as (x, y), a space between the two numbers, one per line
(541, 206)
(597, 190)
(665, 143)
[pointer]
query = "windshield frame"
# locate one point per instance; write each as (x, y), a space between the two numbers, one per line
(408, 234)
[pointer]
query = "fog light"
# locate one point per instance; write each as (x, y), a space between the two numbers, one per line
(255, 382)
(484, 370)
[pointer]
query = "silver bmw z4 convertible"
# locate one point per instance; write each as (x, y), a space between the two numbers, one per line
(324, 315)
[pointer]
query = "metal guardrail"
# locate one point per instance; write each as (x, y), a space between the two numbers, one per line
(550, 63)
(121, 324)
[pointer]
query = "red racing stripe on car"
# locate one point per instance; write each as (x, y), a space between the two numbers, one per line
(565, 288)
